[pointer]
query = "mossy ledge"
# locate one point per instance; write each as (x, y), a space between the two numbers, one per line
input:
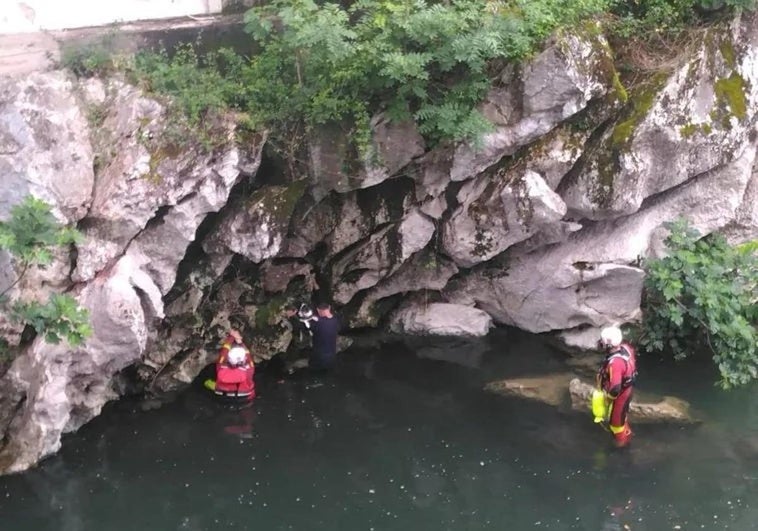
(730, 92)
(641, 103)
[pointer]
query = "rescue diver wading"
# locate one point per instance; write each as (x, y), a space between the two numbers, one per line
(234, 369)
(615, 382)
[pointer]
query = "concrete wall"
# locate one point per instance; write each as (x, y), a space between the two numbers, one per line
(17, 16)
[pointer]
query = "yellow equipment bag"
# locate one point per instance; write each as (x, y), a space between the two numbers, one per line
(600, 406)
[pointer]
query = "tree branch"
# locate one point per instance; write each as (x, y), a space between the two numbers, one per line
(18, 279)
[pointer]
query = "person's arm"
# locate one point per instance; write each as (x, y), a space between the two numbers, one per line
(224, 350)
(616, 369)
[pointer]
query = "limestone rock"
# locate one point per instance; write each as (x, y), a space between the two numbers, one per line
(551, 389)
(593, 277)
(341, 220)
(699, 119)
(64, 387)
(669, 409)
(257, 229)
(432, 174)
(424, 270)
(744, 226)
(440, 319)
(585, 338)
(275, 277)
(497, 213)
(44, 145)
(380, 255)
(557, 84)
(150, 195)
(394, 145)
(554, 154)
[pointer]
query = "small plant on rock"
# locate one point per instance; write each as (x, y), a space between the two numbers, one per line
(30, 235)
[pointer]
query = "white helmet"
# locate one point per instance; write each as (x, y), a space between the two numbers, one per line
(236, 356)
(611, 336)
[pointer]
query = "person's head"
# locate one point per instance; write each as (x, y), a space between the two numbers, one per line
(236, 356)
(290, 310)
(324, 309)
(235, 335)
(611, 337)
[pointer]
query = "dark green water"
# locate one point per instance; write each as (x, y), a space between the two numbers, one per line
(394, 441)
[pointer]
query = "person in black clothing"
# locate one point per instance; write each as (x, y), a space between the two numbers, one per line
(325, 330)
(299, 320)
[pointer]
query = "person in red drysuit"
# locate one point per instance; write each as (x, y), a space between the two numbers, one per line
(235, 368)
(616, 378)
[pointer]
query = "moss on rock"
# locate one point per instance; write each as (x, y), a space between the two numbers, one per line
(278, 201)
(641, 103)
(730, 92)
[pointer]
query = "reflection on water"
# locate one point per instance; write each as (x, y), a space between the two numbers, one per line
(392, 441)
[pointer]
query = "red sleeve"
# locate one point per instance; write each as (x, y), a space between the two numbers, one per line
(616, 369)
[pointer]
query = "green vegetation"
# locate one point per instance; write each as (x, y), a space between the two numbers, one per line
(30, 235)
(96, 57)
(427, 61)
(325, 63)
(703, 295)
(661, 16)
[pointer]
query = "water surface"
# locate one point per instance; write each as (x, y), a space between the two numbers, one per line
(393, 440)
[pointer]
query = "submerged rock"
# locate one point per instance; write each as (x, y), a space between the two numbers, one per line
(551, 389)
(668, 409)
(564, 388)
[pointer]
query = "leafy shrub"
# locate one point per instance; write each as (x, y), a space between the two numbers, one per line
(428, 61)
(60, 318)
(703, 295)
(321, 62)
(195, 84)
(94, 58)
(30, 235)
(201, 89)
(667, 15)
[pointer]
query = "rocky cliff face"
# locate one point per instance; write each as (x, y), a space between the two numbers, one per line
(93, 151)
(541, 227)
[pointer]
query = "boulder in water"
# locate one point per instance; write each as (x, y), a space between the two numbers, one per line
(550, 389)
(557, 389)
(668, 409)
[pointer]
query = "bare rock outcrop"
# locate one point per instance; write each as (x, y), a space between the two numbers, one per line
(441, 319)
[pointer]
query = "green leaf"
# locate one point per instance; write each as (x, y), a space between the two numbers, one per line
(704, 289)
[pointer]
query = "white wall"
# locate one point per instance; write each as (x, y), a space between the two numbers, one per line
(21, 16)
